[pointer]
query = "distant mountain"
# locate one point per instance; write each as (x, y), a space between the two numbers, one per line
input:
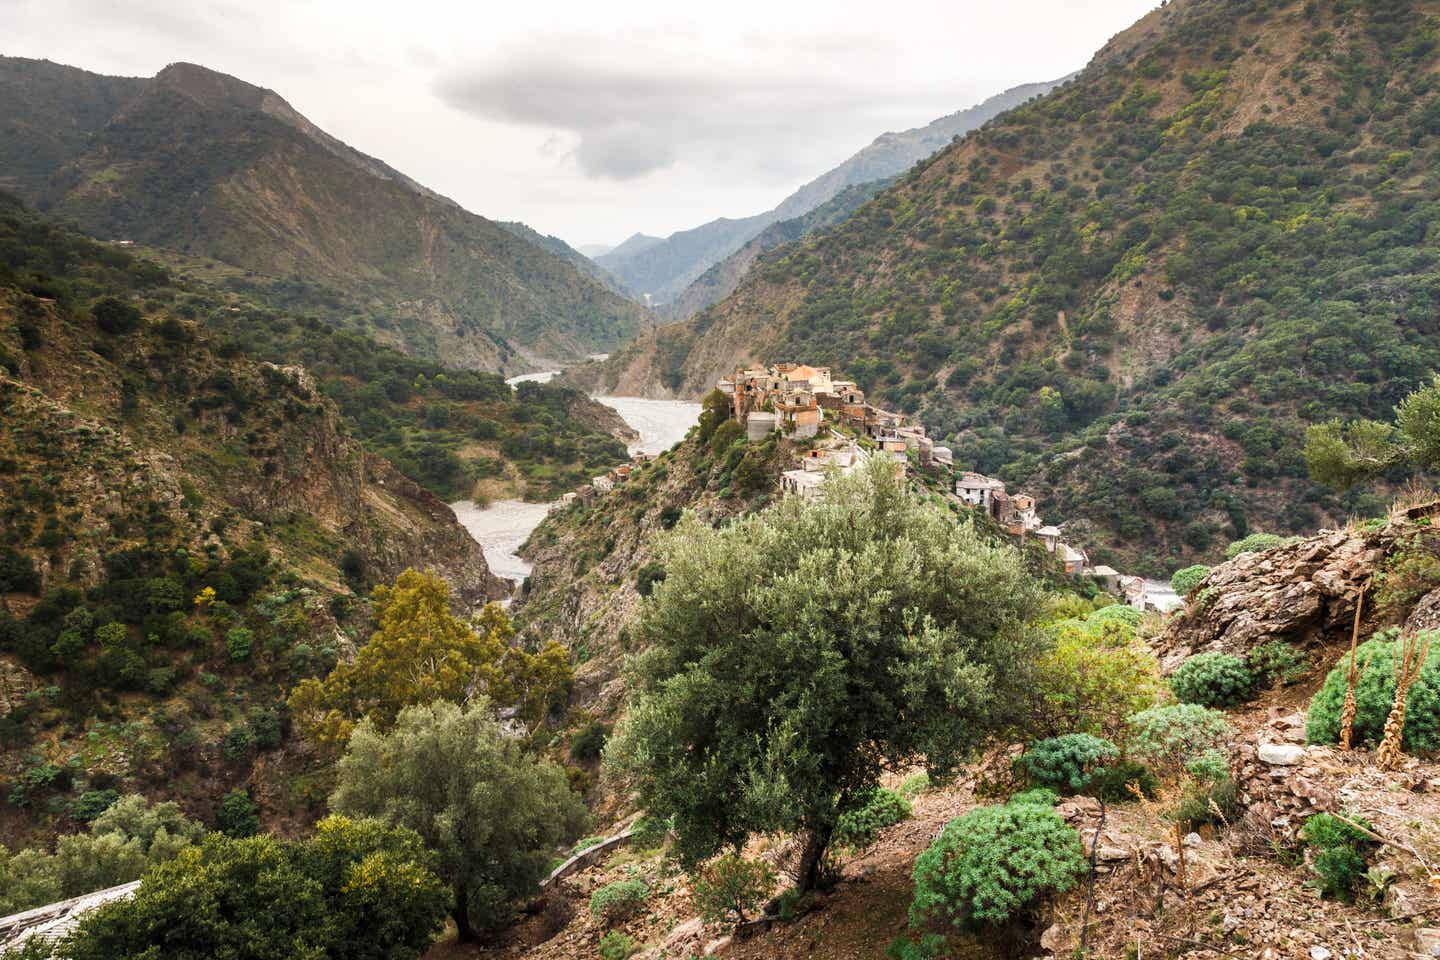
(580, 261)
(593, 250)
(208, 165)
(664, 268)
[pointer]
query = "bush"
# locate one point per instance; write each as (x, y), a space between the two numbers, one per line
(616, 946)
(914, 785)
(993, 864)
(1254, 543)
(1039, 796)
(860, 828)
(616, 901)
(1118, 782)
(238, 642)
(1172, 737)
(1276, 661)
(115, 316)
(647, 576)
(1213, 680)
(1095, 676)
(239, 816)
(1067, 763)
(1374, 694)
(589, 741)
(1339, 854)
(732, 887)
(1184, 582)
(92, 803)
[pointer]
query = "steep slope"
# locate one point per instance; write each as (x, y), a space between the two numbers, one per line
(212, 166)
(720, 280)
(1133, 295)
(564, 251)
(185, 532)
(665, 268)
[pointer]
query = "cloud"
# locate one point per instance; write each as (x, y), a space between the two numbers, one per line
(636, 105)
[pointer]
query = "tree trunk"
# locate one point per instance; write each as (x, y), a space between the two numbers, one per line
(811, 871)
(465, 930)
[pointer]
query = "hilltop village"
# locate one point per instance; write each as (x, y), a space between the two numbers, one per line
(836, 429)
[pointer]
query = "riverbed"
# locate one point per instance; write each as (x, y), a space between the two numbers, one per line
(503, 526)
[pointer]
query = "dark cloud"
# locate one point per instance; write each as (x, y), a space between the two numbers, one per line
(637, 106)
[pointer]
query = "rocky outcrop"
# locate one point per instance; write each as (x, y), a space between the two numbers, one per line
(1303, 592)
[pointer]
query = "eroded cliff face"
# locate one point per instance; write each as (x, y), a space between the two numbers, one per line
(1306, 592)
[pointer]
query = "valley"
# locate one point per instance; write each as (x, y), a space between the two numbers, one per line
(1020, 540)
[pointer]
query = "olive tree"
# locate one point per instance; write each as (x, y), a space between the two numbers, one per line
(793, 656)
(493, 814)
(1342, 455)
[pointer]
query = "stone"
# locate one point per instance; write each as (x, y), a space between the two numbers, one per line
(715, 946)
(1053, 939)
(1193, 840)
(1280, 754)
(1111, 854)
(1318, 952)
(1425, 941)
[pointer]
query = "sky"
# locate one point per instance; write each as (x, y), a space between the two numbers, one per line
(593, 121)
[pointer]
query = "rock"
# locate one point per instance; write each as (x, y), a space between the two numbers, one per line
(1193, 840)
(1079, 809)
(715, 946)
(1053, 939)
(1111, 854)
(1280, 754)
(1426, 615)
(1318, 952)
(1425, 941)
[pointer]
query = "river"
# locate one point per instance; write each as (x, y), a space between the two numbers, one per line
(503, 526)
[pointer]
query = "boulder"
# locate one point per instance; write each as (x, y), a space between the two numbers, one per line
(1280, 754)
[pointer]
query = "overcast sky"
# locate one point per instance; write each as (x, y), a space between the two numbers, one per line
(594, 120)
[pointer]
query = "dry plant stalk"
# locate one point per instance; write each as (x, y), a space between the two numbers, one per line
(1409, 658)
(1352, 677)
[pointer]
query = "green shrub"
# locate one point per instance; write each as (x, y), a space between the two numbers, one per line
(730, 888)
(239, 816)
(1184, 582)
(993, 864)
(589, 741)
(1067, 763)
(1094, 676)
(1256, 542)
(1213, 680)
(1374, 694)
(860, 828)
(616, 901)
(647, 577)
(1114, 783)
(1040, 796)
(1173, 736)
(1210, 795)
(1276, 661)
(92, 803)
(914, 785)
(616, 946)
(1339, 854)
(238, 641)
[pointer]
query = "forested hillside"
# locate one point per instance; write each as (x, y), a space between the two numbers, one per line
(208, 165)
(184, 530)
(1133, 295)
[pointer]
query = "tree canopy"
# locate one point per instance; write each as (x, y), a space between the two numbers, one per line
(1343, 455)
(423, 652)
(493, 814)
(799, 652)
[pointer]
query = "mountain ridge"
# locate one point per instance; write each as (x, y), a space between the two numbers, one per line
(211, 165)
(666, 268)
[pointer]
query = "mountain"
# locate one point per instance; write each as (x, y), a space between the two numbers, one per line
(1132, 296)
(210, 166)
(664, 268)
(580, 261)
(593, 250)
